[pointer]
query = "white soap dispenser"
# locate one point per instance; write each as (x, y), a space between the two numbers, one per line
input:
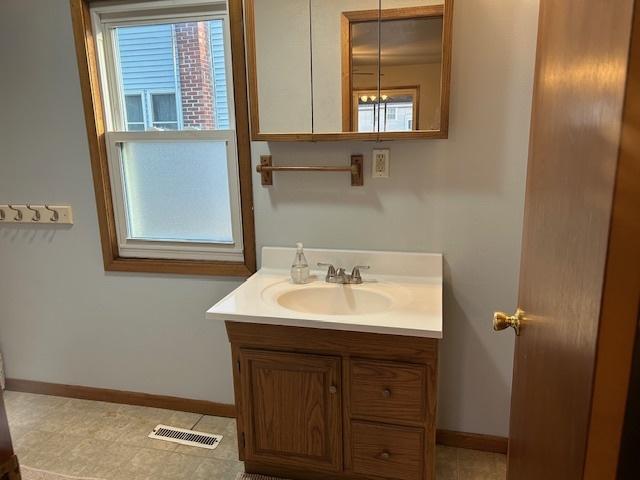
(300, 267)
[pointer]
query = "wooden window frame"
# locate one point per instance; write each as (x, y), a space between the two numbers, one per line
(96, 133)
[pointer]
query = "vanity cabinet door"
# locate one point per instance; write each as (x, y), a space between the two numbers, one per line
(292, 409)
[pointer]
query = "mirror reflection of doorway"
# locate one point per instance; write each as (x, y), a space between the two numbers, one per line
(394, 110)
(392, 64)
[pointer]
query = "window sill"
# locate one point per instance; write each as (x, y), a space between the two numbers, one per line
(182, 267)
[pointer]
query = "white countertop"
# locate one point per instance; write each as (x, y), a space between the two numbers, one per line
(408, 284)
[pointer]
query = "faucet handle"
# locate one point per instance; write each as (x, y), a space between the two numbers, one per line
(331, 270)
(355, 273)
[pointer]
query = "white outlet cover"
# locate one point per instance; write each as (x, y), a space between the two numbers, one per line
(380, 163)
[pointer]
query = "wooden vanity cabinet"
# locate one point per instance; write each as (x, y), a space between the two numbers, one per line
(325, 404)
(293, 408)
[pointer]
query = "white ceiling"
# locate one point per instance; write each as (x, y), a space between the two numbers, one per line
(404, 42)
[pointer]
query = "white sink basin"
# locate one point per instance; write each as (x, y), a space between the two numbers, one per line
(335, 300)
(319, 298)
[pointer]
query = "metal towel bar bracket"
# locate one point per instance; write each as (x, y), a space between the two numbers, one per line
(266, 169)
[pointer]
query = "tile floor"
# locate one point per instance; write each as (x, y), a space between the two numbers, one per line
(109, 441)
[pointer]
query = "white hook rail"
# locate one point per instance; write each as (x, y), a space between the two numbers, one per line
(36, 214)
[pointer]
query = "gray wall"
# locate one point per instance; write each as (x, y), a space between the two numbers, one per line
(63, 319)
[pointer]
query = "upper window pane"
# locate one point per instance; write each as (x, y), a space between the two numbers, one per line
(179, 72)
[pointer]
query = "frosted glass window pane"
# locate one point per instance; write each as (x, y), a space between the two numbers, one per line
(177, 191)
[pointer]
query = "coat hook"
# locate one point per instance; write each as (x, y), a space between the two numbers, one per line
(36, 213)
(18, 216)
(56, 216)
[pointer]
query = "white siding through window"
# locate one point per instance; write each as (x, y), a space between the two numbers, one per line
(216, 29)
(146, 55)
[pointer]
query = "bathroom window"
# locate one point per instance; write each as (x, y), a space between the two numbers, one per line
(164, 110)
(392, 113)
(173, 155)
(134, 112)
(155, 111)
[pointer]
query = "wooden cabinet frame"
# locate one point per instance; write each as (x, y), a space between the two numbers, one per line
(411, 352)
(445, 11)
(96, 130)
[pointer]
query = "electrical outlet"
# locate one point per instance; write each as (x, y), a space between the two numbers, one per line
(380, 166)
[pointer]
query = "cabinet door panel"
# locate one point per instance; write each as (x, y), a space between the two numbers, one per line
(292, 407)
(279, 61)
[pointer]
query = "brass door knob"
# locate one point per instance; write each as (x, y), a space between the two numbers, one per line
(501, 321)
(385, 455)
(333, 389)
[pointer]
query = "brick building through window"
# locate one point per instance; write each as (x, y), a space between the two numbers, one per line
(173, 76)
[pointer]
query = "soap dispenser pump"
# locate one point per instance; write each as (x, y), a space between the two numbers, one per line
(300, 267)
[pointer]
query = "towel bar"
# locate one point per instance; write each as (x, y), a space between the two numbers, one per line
(266, 169)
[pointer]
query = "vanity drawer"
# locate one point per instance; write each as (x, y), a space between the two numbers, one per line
(387, 451)
(388, 390)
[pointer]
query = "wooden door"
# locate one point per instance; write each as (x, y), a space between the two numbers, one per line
(8, 462)
(580, 271)
(292, 408)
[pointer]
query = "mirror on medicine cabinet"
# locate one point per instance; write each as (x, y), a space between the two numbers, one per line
(348, 69)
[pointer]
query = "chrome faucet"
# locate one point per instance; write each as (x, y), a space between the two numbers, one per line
(340, 276)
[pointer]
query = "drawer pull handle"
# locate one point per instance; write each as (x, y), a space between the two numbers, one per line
(385, 455)
(332, 389)
(386, 393)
